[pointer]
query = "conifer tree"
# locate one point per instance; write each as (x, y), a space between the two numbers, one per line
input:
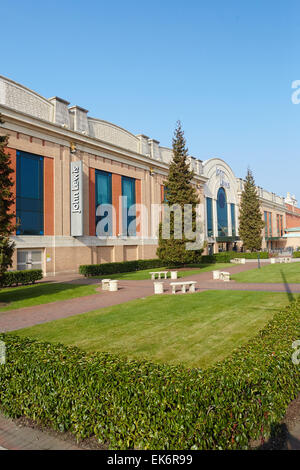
(180, 191)
(6, 200)
(250, 219)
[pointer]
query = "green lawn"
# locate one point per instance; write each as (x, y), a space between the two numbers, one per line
(41, 293)
(144, 274)
(192, 329)
(271, 273)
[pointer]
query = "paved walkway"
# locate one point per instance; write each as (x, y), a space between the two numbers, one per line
(128, 290)
(15, 436)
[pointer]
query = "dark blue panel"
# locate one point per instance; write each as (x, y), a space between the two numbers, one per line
(222, 213)
(30, 194)
(128, 193)
(209, 210)
(103, 193)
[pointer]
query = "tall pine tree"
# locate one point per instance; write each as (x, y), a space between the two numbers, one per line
(6, 200)
(250, 220)
(180, 191)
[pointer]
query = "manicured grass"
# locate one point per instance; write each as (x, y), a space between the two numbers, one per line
(144, 274)
(192, 329)
(42, 293)
(283, 273)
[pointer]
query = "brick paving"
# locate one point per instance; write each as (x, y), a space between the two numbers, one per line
(15, 436)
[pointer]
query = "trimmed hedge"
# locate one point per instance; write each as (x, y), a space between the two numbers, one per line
(296, 254)
(123, 267)
(14, 278)
(226, 256)
(136, 404)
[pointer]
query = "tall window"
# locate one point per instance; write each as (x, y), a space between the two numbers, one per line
(209, 211)
(30, 194)
(128, 209)
(103, 194)
(232, 208)
(222, 213)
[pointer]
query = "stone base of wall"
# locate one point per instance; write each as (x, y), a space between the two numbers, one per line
(58, 260)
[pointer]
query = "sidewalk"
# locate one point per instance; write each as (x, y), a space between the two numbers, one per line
(15, 436)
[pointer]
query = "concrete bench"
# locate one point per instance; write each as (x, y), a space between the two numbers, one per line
(158, 287)
(216, 275)
(105, 284)
(165, 273)
(238, 260)
(184, 284)
(224, 276)
(110, 285)
(158, 274)
(285, 260)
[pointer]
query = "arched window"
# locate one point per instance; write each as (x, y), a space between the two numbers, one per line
(222, 213)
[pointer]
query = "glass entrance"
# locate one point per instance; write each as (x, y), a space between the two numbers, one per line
(29, 259)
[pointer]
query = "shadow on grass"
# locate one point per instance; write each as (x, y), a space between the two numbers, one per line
(29, 292)
(287, 287)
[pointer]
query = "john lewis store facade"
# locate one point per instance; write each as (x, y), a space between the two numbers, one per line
(68, 165)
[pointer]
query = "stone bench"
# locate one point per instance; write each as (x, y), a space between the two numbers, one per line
(158, 274)
(238, 260)
(285, 260)
(164, 273)
(158, 287)
(184, 284)
(216, 275)
(110, 285)
(224, 276)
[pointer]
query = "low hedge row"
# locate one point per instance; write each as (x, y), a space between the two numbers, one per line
(226, 256)
(123, 267)
(15, 278)
(136, 404)
(296, 254)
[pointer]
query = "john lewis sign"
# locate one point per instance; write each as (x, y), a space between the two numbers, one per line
(76, 199)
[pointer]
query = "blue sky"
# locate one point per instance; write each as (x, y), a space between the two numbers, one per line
(224, 68)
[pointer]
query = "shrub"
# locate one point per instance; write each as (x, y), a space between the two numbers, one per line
(226, 256)
(14, 278)
(123, 267)
(296, 254)
(136, 404)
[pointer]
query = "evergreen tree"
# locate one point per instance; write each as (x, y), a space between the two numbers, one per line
(250, 220)
(180, 191)
(6, 200)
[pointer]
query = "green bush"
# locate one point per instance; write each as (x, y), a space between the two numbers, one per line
(226, 256)
(296, 254)
(14, 278)
(136, 404)
(113, 268)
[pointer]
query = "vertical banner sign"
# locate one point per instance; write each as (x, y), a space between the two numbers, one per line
(76, 199)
